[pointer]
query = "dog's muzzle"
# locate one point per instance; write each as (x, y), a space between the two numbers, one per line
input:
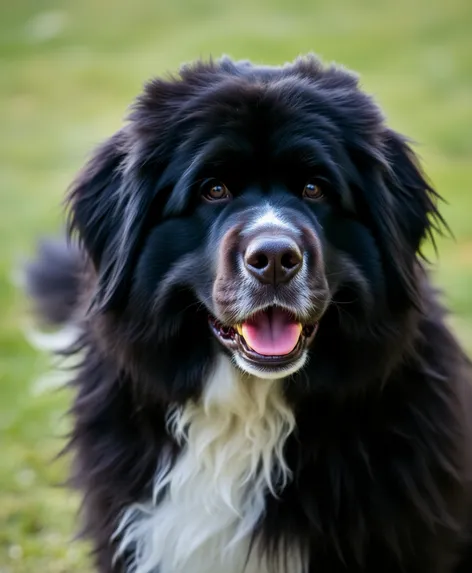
(269, 294)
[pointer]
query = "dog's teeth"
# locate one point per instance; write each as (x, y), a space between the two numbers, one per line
(239, 329)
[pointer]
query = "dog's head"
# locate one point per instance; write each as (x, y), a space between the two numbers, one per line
(267, 213)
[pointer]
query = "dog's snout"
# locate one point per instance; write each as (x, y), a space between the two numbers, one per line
(273, 260)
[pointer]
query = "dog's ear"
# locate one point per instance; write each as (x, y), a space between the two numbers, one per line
(414, 200)
(404, 212)
(114, 197)
(108, 203)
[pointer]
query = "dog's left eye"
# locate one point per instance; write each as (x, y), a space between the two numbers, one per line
(213, 190)
(313, 189)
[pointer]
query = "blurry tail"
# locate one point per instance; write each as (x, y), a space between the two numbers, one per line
(52, 280)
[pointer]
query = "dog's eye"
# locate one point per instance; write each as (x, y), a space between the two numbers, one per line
(213, 190)
(313, 190)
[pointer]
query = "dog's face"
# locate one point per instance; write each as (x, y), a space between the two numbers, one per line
(267, 213)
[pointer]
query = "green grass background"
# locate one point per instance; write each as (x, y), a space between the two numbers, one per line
(68, 70)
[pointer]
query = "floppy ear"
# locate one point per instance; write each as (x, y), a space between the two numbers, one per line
(404, 212)
(413, 197)
(108, 205)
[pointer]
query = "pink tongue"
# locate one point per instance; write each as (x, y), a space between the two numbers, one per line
(273, 332)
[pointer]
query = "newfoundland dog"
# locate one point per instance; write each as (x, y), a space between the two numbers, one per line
(267, 383)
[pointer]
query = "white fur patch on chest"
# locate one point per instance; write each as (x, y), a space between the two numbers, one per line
(213, 496)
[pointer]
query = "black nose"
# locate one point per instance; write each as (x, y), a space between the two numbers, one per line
(273, 260)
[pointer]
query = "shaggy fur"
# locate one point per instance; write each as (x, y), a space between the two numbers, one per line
(233, 458)
(192, 455)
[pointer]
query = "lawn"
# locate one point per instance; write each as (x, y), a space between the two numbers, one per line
(68, 72)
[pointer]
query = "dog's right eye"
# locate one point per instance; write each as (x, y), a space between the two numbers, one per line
(213, 190)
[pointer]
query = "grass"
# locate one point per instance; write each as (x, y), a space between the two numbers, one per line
(68, 72)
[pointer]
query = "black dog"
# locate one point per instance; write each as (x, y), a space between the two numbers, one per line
(267, 383)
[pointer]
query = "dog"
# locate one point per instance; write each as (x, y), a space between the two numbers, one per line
(267, 380)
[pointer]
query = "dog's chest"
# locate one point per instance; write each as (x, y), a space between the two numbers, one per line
(213, 496)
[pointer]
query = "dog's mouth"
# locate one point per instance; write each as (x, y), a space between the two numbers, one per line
(270, 337)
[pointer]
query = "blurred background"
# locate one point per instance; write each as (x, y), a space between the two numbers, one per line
(68, 71)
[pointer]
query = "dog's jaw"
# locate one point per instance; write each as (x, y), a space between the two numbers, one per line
(208, 503)
(266, 373)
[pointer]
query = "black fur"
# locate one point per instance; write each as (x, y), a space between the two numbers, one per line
(381, 455)
(54, 281)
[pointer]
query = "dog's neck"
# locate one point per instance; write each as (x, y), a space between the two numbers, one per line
(207, 504)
